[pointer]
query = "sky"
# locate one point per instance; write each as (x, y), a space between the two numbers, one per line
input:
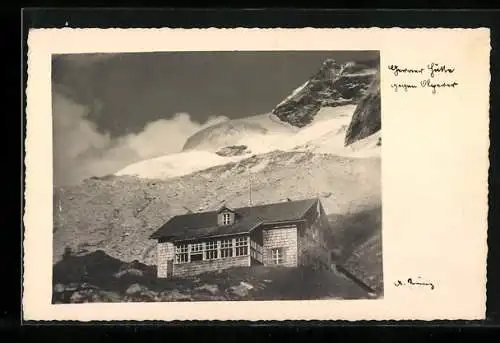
(111, 110)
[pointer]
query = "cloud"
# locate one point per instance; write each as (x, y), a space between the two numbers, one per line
(81, 151)
(84, 59)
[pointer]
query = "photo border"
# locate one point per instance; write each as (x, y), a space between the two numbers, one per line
(491, 311)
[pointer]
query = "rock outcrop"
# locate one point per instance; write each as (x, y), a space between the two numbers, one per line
(366, 119)
(233, 150)
(333, 85)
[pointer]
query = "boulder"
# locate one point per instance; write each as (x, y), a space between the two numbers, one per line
(241, 290)
(107, 296)
(246, 285)
(71, 287)
(59, 288)
(135, 289)
(77, 297)
(173, 295)
(132, 272)
(212, 289)
(233, 150)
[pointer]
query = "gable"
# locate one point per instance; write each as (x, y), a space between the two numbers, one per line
(226, 217)
(225, 208)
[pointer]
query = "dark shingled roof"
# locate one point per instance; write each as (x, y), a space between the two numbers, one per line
(204, 224)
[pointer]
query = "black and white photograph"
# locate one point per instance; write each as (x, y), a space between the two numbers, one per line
(216, 176)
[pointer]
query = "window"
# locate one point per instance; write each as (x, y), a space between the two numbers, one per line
(226, 248)
(211, 250)
(277, 255)
(181, 253)
(241, 246)
(197, 252)
(226, 218)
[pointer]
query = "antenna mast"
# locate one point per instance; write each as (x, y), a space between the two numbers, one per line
(250, 187)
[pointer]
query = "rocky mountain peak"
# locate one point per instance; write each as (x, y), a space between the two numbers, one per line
(329, 70)
(335, 84)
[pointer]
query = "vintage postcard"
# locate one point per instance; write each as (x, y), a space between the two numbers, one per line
(241, 174)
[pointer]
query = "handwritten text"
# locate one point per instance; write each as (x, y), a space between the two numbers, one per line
(414, 282)
(427, 77)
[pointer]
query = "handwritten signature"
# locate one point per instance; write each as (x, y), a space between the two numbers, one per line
(412, 282)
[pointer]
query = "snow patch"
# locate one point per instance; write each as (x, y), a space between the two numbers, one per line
(176, 164)
(295, 92)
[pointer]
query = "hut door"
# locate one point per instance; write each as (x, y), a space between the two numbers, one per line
(170, 268)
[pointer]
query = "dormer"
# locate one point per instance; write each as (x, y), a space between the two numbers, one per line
(225, 216)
